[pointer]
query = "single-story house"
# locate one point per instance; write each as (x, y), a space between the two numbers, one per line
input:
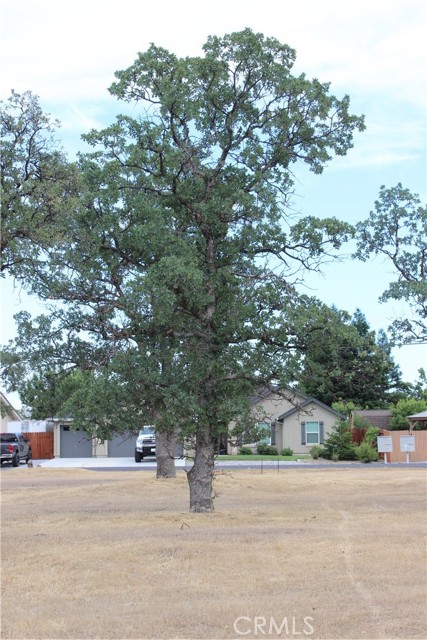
(308, 424)
(291, 420)
(297, 422)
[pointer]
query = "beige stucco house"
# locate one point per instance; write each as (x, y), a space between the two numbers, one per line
(8, 412)
(290, 419)
(297, 422)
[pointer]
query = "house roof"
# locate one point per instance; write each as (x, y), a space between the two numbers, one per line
(8, 409)
(419, 416)
(379, 418)
(286, 392)
(303, 404)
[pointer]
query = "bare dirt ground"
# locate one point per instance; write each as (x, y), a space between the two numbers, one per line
(325, 553)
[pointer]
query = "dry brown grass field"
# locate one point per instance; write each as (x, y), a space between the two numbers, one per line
(307, 553)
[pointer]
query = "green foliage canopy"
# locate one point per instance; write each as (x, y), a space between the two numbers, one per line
(38, 184)
(397, 229)
(404, 408)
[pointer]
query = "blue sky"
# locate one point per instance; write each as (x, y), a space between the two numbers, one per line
(66, 52)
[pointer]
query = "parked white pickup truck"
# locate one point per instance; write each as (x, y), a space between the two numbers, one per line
(145, 443)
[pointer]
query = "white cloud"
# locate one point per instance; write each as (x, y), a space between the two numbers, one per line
(73, 47)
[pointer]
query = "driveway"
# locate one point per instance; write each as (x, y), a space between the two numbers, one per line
(100, 463)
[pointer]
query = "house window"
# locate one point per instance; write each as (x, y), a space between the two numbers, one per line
(312, 433)
(260, 433)
(265, 428)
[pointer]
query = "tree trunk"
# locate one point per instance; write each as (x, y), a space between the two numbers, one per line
(165, 454)
(200, 476)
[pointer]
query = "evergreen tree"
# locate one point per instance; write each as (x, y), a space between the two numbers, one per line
(338, 445)
(345, 361)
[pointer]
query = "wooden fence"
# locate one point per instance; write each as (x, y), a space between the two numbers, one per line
(420, 453)
(41, 445)
(357, 435)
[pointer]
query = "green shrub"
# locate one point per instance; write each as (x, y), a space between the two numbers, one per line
(266, 449)
(404, 408)
(287, 452)
(316, 451)
(366, 453)
(245, 451)
(371, 436)
(338, 445)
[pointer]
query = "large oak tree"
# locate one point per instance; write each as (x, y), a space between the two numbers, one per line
(183, 250)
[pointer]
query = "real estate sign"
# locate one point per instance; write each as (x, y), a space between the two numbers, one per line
(385, 444)
(407, 443)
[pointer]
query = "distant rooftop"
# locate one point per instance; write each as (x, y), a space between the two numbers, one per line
(379, 418)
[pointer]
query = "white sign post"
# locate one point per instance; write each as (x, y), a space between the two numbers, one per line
(385, 445)
(407, 444)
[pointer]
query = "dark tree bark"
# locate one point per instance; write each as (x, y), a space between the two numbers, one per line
(200, 477)
(165, 454)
